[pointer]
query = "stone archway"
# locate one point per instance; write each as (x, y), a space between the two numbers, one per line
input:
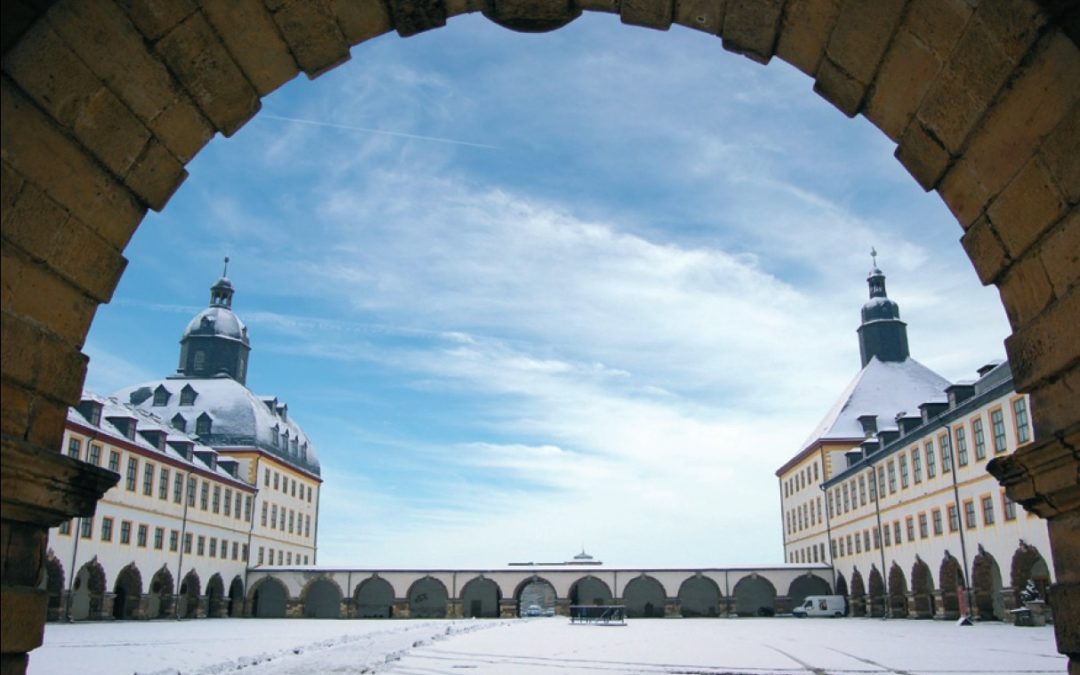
(480, 598)
(858, 594)
(951, 580)
(754, 596)
(535, 591)
(1028, 565)
(88, 592)
(699, 596)
(644, 596)
(215, 596)
(236, 597)
(374, 599)
(322, 599)
(807, 584)
(981, 100)
(922, 590)
(898, 592)
(159, 599)
(127, 593)
(269, 599)
(428, 599)
(589, 590)
(189, 597)
(988, 603)
(841, 585)
(876, 593)
(54, 586)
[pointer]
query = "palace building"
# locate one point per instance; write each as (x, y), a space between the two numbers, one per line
(891, 488)
(215, 480)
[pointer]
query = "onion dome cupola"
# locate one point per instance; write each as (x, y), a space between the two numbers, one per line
(215, 342)
(882, 334)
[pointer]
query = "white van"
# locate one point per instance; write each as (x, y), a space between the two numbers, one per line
(822, 605)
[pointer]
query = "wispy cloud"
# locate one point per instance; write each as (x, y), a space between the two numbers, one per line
(383, 132)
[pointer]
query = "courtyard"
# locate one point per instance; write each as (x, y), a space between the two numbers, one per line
(546, 647)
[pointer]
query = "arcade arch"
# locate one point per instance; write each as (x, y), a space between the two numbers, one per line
(754, 596)
(1028, 565)
(986, 587)
(644, 596)
(951, 580)
(269, 599)
(996, 137)
(236, 597)
(189, 594)
(535, 591)
(898, 605)
(480, 598)
(322, 599)
(589, 590)
(88, 592)
(374, 599)
(127, 593)
(54, 586)
(699, 596)
(215, 596)
(922, 589)
(808, 584)
(858, 594)
(159, 599)
(876, 593)
(428, 599)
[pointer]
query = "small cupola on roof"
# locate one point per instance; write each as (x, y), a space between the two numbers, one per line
(882, 334)
(215, 342)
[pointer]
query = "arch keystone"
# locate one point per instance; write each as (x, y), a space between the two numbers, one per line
(416, 16)
(647, 13)
(532, 16)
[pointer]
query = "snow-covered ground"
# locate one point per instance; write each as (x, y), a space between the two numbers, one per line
(547, 647)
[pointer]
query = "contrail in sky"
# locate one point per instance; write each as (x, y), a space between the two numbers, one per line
(377, 131)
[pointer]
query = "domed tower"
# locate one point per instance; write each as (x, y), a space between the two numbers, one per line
(882, 333)
(215, 342)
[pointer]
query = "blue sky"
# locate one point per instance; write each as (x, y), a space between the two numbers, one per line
(529, 293)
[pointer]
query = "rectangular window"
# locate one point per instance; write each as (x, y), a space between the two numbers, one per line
(916, 465)
(191, 484)
(832, 548)
(94, 454)
(159, 538)
(935, 516)
(892, 477)
(148, 480)
(988, 510)
(106, 529)
(187, 543)
(850, 547)
(961, 446)
(872, 480)
(931, 461)
(829, 505)
(309, 494)
(969, 514)
(74, 448)
(881, 480)
(910, 522)
(277, 481)
(265, 510)
(204, 495)
(266, 479)
(307, 524)
(244, 552)
(228, 502)
(288, 558)
(1008, 506)
(924, 527)
(224, 548)
(862, 490)
(235, 550)
(125, 531)
(273, 517)
(980, 438)
(200, 545)
(213, 547)
(114, 461)
(217, 499)
(174, 539)
(1020, 418)
(247, 508)
(163, 483)
(132, 473)
(997, 421)
(280, 555)
(86, 527)
(896, 532)
(888, 534)
(178, 487)
(261, 555)
(954, 518)
(877, 539)
(294, 486)
(292, 515)
(904, 477)
(140, 536)
(946, 452)
(65, 527)
(866, 539)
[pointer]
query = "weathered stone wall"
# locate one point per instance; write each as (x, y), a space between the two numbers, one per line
(103, 103)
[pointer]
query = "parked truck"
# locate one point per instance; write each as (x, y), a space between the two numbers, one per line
(822, 605)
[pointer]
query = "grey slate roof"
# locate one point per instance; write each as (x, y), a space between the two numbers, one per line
(884, 389)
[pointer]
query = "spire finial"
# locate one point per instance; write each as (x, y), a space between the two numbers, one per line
(873, 255)
(225, 272)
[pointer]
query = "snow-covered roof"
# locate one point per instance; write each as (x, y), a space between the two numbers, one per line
(217, 321)
(145, 423)
(238, 418)
(881, 388)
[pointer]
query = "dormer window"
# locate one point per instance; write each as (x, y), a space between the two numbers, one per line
(187, 395)
(161, 396)
(274, 438)
(295, 445)
(179, 422)
(285, 439)
(203, 424)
